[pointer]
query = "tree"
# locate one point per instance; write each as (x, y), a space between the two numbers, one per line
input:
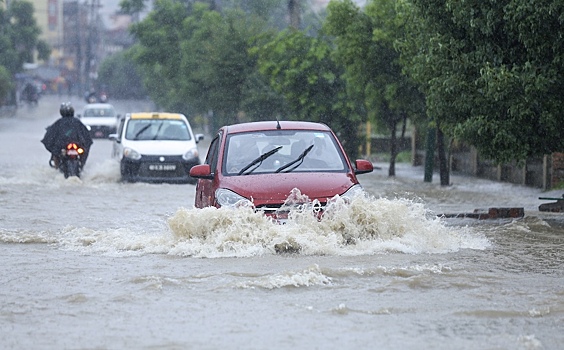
(18, 41)
(159, 52)
(302, 70)
(365, 47)
(24, 33)
(215, 61)
(120, 73)
(492, 72)
(196, 60)
(5, 84)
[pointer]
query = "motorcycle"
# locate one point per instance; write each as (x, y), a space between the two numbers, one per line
(69, 161)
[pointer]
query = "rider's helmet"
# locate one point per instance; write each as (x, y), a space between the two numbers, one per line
(66, 110)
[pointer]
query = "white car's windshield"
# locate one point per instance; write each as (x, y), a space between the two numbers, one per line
(297, 151)
(157, 129)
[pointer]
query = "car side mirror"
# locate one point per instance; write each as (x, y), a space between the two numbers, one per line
(199, 137)
(114, 137)
(363, 166)
(202, 171)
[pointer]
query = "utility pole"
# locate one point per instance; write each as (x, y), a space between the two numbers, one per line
(294, 8)
(92, 42)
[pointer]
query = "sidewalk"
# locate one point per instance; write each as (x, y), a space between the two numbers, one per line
(465, 194)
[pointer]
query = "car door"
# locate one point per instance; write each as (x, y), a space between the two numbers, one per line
(205, 189)
(117, 147)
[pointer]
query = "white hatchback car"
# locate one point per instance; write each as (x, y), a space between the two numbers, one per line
(156, 147)
(100, 118)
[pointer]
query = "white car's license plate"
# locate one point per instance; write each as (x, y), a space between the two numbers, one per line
(162, 167)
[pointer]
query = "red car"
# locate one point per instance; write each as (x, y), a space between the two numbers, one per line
(263, 163)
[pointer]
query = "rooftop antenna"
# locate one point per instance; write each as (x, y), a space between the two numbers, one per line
(278, 124)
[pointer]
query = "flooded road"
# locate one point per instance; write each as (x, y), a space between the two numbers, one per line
(99, 264)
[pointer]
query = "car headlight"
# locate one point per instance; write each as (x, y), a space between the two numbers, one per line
(353, 192)
(191, 154)
(131, 153)
(227, 198)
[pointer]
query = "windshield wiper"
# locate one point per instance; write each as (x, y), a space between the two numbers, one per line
(141, 131)
(158, 129)
(258, 161)
(300, 159)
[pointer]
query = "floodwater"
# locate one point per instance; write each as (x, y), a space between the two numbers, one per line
(93, 263)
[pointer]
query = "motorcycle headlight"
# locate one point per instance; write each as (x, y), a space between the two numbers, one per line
(131, 153)
(353, 192)
(227, 198)
(191, 154)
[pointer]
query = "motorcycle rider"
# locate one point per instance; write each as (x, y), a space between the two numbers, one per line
(29, 94)
(65, 130)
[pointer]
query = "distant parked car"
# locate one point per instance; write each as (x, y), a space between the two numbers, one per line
(259, 164)
(100, 118)
(156, 147)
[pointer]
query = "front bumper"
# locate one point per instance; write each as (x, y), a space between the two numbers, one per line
(280, 214)
(171, 169)
(101, 131)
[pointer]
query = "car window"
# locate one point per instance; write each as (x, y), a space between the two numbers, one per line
(212, 156)
(157, 129)
(99, 112)
(243, 148)
(120, 126)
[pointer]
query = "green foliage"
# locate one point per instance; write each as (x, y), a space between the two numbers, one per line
(158, 53)
(132, 6)
(196, 60)
(19, 36)
(302, 70)
(5, 84)
(365, 47)
(492, 72)
(119, 73)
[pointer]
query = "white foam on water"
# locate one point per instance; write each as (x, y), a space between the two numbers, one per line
(92, 175)
(105, 172)
(365, 226)
(311, 276)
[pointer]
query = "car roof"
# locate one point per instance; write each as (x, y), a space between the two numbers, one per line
(274, 125)
(157, 115)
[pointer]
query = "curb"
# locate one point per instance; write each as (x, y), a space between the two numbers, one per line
(491, 213)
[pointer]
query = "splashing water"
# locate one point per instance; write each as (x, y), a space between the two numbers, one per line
(361, 226)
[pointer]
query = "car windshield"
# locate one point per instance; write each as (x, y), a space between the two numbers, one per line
(157, 129)
(99, 112)
(297, 151)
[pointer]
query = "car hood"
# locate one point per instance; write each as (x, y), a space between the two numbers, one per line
(158, 148)
(275, 188)
(111, 121)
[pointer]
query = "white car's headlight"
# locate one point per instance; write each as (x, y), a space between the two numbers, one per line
(131, 153)
(227, 198)
(191, 154)
(353, 192)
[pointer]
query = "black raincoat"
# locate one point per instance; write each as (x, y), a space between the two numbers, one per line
(64, 131)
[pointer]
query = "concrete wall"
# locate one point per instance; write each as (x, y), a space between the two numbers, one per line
(544, 172)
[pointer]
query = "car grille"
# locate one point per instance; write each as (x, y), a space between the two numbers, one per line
(270, 209)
